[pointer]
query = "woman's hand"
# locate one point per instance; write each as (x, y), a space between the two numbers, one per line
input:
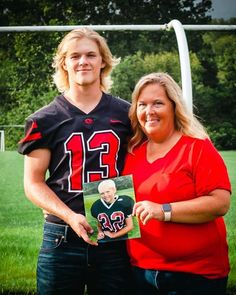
(147, 210)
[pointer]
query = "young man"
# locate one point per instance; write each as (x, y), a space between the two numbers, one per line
(113, 212)
(79, 137)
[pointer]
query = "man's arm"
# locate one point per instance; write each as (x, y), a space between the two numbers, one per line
(36, 189)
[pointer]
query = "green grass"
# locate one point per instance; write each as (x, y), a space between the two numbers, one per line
(21, 227)
(230, 218)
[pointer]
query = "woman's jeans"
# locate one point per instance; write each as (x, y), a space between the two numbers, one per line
(66, 264)
(152, 282)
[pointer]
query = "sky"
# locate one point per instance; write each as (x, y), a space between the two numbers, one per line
(225, 9)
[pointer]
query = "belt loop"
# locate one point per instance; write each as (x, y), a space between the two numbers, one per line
(66, 230)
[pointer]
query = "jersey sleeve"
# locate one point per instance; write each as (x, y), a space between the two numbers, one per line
(35, 137)
(209, 169)
(129, 204)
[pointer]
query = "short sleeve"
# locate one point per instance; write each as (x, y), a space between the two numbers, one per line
(209, 169)
(36, 136)
(129, 205)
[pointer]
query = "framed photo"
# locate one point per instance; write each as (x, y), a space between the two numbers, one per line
(108, 208)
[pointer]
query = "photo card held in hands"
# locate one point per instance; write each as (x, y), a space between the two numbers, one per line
(108, 208)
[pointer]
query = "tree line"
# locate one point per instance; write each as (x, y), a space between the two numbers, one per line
(26, 58)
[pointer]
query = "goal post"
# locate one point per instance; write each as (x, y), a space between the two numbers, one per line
(2, 141)
(9, 132)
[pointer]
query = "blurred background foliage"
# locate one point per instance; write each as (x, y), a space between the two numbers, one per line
(26, 58)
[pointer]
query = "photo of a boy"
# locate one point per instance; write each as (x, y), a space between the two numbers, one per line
(113, 212)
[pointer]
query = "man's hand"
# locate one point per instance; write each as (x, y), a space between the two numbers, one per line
(82, 228)
(80, 225)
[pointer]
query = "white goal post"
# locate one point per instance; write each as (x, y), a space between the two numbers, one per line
(2, 141)
(6, 128)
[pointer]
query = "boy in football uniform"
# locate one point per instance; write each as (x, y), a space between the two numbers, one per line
(79, 137)
(113, 212)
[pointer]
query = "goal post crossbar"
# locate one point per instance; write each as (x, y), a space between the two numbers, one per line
(178, 27)
(114, 28)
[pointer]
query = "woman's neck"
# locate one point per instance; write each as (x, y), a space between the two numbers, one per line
(158, 149)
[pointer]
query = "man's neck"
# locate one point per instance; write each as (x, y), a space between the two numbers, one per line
(84, 98)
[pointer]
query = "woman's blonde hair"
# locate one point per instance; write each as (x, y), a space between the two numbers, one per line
(60, 76)
(185, 121)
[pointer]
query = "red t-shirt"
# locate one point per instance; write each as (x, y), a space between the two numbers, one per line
(192, 168)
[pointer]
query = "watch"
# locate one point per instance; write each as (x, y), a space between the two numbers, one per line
(166, 208)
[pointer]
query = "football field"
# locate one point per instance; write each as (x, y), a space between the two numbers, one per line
(21, 227)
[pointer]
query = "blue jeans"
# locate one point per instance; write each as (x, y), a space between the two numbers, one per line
(154, 282)
(68, 265)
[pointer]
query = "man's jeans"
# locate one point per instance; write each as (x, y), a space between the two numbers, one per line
(66, 264)
(152, 282)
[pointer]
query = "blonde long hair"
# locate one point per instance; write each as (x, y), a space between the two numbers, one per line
(185, 121)
(60, 76)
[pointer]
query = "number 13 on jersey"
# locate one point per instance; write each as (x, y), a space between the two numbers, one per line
(100, 152)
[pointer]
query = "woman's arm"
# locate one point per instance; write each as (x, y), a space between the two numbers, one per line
(197, 210)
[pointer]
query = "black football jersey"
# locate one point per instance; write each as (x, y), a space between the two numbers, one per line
(112, 216)
(84, 147)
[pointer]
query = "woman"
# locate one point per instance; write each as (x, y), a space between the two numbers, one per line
(182, 191)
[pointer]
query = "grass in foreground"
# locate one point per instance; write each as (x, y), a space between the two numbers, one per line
(21, 227)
